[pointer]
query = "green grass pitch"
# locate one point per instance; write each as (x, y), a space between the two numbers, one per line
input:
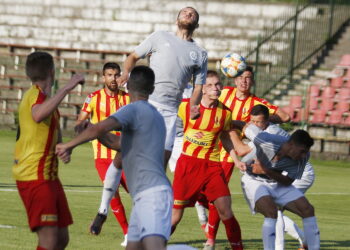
(330, 196)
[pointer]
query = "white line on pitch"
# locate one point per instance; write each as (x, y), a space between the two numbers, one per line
(122, 191)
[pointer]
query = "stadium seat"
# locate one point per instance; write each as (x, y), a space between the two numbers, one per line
(346, 122)
(343, 106)
(314, 90)
(336, 117)
(344, 94)
(327, 104)
(299, 115)
(328, 92)
(296, 101)
(345, 61)
(337, 82)
(318, 116)
(313, 103)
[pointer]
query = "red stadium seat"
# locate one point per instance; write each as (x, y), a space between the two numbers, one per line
(343, 106)
(314, 90)
(337, 82)
(296, 101)
(328, 92)
(318, 116)
(313, 103)
(344, 94)
(336, 117)
(347, 121)
(299, 116)
(327, 104)
(345, 60)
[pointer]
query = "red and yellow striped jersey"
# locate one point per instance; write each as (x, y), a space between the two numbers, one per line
(241, 110)
(202, 136)
(100, 105)
(35, 157)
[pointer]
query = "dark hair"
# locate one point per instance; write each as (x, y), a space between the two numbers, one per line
(197, 14)
(141, 80)
(211, 73)
(39, 66)
(301, 137)
(260, 110)
(111, 65)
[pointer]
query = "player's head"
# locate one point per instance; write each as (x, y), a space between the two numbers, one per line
(111, 71)
(141, 81)
(245, 80)
(212, 87)
(40, 66)
(188, 19)
(259, 116)
(299, 144)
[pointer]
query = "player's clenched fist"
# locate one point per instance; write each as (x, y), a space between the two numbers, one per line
(63, 152)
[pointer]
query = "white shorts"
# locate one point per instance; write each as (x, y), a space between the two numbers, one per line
(151, 214)
(175, 154)
(169, 116)
(254, 189)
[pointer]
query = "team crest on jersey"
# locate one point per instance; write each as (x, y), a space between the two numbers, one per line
(194, 55)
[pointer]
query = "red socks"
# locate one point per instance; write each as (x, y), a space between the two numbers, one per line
(40, 248)
(213, 222)
(233, 232)
(119, 213)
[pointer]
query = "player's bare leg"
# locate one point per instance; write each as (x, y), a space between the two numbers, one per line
(52, 237)
(176, 218)
(233, 230)
(305, 210)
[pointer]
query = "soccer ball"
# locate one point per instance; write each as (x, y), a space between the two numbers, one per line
(233, 65)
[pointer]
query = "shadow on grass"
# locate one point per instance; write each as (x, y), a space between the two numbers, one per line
(256, 244)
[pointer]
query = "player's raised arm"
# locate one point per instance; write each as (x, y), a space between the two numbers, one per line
(129, 64)
(279, 117)
(89, 134)
(195, 100)
(41, 111)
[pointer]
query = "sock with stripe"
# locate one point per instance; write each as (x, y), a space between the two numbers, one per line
(269, 233)
(119, 213)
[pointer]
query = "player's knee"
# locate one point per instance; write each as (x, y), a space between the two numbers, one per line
(308, 211)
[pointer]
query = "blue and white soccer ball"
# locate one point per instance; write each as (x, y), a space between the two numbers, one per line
(233, 65)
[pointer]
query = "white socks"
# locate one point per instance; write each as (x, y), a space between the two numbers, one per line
(110, 185)
(293, 230)
(202, 215)
(312, 234)
(269, 233)
(280, 231)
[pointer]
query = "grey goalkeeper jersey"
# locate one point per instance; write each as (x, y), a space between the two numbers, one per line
(175, 62)
(267, 145)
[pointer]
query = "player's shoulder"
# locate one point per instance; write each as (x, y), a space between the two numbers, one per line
(185, 100)
(228, 89)
(223, 106)
(259, 99)
(95, 93)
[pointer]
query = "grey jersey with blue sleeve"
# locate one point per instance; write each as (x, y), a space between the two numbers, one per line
(142, 143)
(267, 145)
(175, 62)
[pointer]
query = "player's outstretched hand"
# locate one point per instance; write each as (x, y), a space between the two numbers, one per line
(63, 152)
(241, 165)
(75, 80)
(194, 112)
(122, 79)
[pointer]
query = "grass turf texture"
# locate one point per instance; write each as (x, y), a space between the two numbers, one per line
(330, 196)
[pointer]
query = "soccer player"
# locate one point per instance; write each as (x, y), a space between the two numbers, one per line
(98, 106)
(240, 101)
(259, 115)
(142, 147)
(267, 181)
(36, 165)
(175, 60)
(198, 170)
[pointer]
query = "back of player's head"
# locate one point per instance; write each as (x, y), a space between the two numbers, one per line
(111, 65)
(212, 73)
(301, 137)
(39, 66)
(141, 80)
(260, 110)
